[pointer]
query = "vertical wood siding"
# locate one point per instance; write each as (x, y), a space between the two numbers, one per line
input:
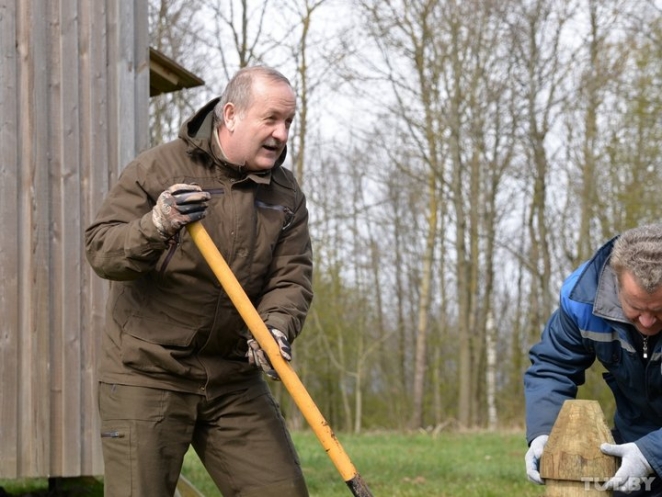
(74, 90)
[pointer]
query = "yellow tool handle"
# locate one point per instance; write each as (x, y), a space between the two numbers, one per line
(287, 375)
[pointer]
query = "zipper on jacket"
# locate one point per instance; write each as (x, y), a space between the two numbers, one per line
(112, 434)
(289, 214)
(173, 242)
(289, 217)
(214, 191)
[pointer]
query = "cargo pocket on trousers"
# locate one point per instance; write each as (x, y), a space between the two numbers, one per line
(118, 457)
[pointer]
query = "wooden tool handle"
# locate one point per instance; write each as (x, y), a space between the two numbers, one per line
(287, 375)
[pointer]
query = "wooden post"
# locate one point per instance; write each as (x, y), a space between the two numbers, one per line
(572, 464)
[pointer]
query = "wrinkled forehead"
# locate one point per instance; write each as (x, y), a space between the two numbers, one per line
(273, 98)
(633, 295)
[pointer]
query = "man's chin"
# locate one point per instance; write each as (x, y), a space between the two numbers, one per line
(649, 332)
(260, 166)
(263, 164)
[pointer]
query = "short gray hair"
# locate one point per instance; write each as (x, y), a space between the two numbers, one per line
(639, 252)
(239, 90)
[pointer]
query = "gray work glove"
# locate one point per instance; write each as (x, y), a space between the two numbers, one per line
(258, 358)
(178, 206)
(634, 467)
(532, 459)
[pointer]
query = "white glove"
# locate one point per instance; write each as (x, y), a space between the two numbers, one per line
(634, 466)
(258, 358)
(532, 459)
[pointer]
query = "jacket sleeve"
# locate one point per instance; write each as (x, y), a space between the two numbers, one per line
(288, 289)
(650, 448)
(122, 242)
(558, 365)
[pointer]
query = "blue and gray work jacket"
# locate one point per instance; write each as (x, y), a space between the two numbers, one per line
(590, 324)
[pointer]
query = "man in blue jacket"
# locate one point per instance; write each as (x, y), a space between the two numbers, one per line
(610, 310)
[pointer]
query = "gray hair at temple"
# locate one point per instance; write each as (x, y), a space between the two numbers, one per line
(239, 89)
(639, 252)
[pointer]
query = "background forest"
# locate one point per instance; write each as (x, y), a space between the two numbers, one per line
(460, 157)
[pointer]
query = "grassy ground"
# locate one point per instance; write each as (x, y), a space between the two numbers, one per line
(392, 465)
(398, 465)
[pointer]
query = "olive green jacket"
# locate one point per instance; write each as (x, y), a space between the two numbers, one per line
(169, 324)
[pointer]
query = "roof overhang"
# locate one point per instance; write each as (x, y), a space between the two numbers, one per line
(166, 76)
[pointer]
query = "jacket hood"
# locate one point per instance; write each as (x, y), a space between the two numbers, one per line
(583, 281)
(595, 283)
(197, 133)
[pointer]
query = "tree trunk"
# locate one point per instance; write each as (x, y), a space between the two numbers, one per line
(491, 372)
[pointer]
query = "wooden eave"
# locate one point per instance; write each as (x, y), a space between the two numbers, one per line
(166, 76)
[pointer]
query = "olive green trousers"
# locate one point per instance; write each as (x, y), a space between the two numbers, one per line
(240, 438)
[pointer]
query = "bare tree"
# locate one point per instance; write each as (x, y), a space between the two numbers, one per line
(238, 33)
(536, 32)
(482, 150)
(174, 31)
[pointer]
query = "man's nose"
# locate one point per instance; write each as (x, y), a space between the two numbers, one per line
(647, 320)
(281, 132)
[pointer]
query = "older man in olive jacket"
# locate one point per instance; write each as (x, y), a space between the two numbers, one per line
(178, 366)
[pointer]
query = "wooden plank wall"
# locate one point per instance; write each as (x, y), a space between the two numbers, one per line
(74, 96)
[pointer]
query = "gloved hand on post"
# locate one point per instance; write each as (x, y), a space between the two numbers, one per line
(532, 459)
(634, 466)
(178, 206)
(258, 357)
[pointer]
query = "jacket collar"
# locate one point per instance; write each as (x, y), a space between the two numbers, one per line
(607, 304)
(597, 284)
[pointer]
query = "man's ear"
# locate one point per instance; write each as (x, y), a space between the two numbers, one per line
(229, 116)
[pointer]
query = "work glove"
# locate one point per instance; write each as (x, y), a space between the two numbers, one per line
(178, 206)
(258, 357)
(634, 466)
(532, 459)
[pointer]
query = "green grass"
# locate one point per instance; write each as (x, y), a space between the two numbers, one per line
(476, 464)
(399, 465)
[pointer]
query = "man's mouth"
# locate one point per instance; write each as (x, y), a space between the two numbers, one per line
(272, 147)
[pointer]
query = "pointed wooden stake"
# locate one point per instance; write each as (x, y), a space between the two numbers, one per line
(572, 464)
